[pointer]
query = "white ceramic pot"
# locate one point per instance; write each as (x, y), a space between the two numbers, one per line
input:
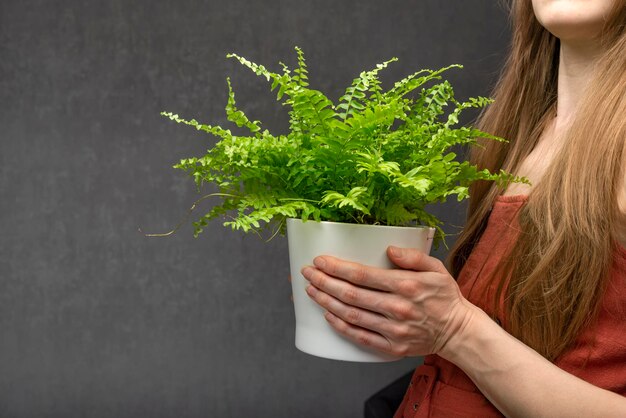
(366, 244)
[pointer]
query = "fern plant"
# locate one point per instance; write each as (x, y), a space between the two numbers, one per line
(374, 156)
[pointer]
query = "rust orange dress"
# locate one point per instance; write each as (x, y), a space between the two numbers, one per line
(440, 389)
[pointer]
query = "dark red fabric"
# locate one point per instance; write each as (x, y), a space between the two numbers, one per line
(440, 389)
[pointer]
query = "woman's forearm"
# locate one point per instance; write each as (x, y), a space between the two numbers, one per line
(519, 381)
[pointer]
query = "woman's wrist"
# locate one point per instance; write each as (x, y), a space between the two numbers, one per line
(473, 329)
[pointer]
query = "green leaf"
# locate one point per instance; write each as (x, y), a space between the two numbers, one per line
(237, 116)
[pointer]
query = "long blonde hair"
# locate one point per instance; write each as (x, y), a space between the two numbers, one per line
(565, 250)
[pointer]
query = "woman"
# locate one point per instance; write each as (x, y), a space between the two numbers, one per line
(535, 324)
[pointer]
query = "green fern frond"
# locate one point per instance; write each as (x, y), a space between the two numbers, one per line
(257, 69)
(215, 130)
(338, 200)
(355, 95)
(237, 116)
(302, 73)
(410, 83)
(398, 214)
(316, 109)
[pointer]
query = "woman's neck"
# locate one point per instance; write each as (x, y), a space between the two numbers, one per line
(576, 62)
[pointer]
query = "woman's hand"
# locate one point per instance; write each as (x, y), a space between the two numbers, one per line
(412, 311)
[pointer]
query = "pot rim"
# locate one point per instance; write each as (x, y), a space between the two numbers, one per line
(363, 225)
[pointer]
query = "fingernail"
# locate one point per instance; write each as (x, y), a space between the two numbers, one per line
(319, 262)
(306, 272)
(310, 290)
(395, 251)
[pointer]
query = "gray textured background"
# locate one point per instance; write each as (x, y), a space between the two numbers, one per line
(97, 320)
